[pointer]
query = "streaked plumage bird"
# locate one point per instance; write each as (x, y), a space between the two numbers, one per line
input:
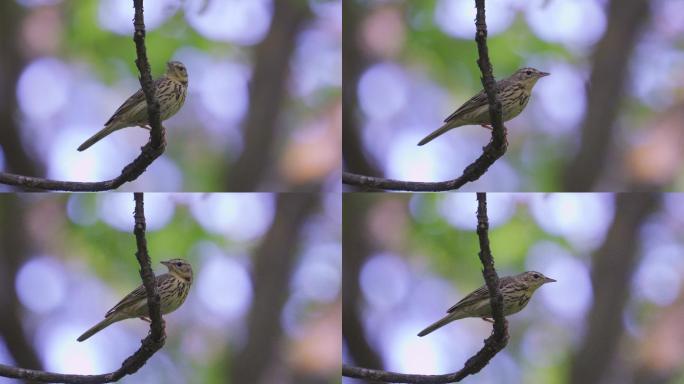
(515, 290)
(514, 93)
(170, 90)
(173, 288)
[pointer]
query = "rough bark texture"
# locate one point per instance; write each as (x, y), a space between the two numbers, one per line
(152, 150)
(490, 153)
(493, 344)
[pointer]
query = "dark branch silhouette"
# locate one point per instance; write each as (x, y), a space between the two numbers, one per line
(152, 150)
(490, 153)
(150, 345)
(494, 343)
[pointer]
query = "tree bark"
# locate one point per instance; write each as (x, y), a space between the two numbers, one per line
(274, 261)
(605, 93)
(17, 159)
(612, 268)
(266, 95)
(15, 250)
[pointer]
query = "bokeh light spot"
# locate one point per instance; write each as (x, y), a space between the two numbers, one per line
(40, 284)
(382, 91)
(243, 216)
(224, 285)
(384, 280)
(43, 87)
(242, 22)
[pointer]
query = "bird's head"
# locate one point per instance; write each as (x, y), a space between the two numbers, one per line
(179, 268)
(528, 76)
(535, 279)
(176, 70)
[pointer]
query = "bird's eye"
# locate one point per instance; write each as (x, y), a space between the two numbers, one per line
(179, 264)
(536, 275)
(528, 72)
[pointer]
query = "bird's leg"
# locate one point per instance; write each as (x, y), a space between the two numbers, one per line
(488, 320)
(487, 126)
(145, 126)
(145, 319)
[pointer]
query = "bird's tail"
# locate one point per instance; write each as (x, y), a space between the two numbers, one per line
(444, 128)
(98, 327)
(439, 323)
(98, 136)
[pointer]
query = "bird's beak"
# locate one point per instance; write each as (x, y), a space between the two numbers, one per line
(543, 74)
(549, 280)
(167, 263)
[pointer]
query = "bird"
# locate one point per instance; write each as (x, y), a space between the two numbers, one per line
(515, 290)
(173, 288)
(514, 93)
(170, 90)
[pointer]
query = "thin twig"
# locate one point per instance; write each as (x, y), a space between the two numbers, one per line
(152, 150)
(490, 153)
(150, 345)
(494, 343)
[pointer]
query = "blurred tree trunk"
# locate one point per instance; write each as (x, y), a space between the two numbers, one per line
(353, 65)
(15, 247)
(274, 261)
(357, 248)
(605, 92)
(267, 93)
(16, 158)
(612, 268)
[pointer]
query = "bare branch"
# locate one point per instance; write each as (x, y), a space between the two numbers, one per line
(494, 343)
(152, 150)
(490, 153)
(150, 345)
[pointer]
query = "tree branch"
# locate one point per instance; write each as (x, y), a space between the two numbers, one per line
(150, 345)
(494, 343)
(490, 153)
(152, 150)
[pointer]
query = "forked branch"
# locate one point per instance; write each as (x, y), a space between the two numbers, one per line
(493, 344)
(152, 150)
(490, 153)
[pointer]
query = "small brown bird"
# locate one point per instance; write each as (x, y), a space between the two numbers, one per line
(173, 288)
(170, 90)
(516, 292)
(514, 93)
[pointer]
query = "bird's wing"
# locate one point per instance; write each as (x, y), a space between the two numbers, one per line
(136, 295)
(132, 101)
(478, 294)
(475, 102)
(470, 105)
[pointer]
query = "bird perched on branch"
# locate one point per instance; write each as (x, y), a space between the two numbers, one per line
(515, 290)
(173, 288)
(514, 93)
(170, 90)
